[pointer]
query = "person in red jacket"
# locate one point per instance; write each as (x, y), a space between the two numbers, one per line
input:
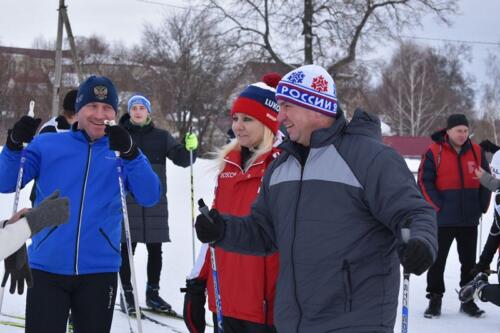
(247, 283)
(447, 180)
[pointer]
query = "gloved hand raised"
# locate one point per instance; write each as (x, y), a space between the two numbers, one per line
(210, 231)
(121, 141)
(191, 141)
(23, 132)
(416, 257)
(194, 305)
(16, 266)
(53, 210)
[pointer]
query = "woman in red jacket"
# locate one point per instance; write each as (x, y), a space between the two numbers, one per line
(247, 283)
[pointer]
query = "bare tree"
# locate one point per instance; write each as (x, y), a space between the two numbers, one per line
(490, 101)
(189, 72)
(331, 30)
(420, 87)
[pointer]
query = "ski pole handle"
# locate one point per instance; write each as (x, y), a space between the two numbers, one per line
(112, 123)
(31, 111)
(405, 231)
(204, 210)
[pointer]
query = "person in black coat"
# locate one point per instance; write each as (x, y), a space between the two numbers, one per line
(150, 225)
(63, 122)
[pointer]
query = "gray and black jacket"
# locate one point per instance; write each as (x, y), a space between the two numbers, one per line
(150, 224)
(336, 221)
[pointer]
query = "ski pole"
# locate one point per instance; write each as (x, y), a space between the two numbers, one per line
(204, 210)
(405, 235)
(31, 113)
(124, 301)
(123, 197)
(480, 245)
(192, 200)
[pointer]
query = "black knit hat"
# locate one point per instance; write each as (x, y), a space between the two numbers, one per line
(457, 120)
(69, 100)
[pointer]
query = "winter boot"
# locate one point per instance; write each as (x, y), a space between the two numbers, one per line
(470, 308)
(129, 299)
(472, 290)
(434, 308)
(154, 301)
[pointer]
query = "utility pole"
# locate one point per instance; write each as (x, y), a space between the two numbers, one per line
(58, 63)
(63, 19)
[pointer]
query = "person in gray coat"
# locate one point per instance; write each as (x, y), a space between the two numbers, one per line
(150, 225)
(333, 204)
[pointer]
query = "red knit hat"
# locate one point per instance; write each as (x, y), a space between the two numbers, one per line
(258, 101)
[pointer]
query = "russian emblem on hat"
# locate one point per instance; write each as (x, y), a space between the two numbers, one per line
(310, 87)
(101, 92)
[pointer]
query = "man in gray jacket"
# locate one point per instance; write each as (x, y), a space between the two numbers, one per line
(333, 204)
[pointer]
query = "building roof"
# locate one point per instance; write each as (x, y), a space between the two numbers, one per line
(33, 53)
(409, 146)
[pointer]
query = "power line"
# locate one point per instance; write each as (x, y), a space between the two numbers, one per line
(162, 4)
(477, 42)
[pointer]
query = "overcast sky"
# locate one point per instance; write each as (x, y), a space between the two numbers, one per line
(24, 20)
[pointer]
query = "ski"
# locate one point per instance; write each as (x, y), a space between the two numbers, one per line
(12, 316)
(11, 323)
(169, 313)
(175, 330)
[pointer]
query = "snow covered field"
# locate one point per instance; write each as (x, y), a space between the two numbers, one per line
(178, 261)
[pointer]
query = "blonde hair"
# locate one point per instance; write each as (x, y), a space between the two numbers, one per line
(264, 146)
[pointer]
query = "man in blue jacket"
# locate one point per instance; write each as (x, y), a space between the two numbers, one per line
(75, 265)
(333, 203)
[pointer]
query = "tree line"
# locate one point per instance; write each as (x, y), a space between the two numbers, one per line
(192, 64)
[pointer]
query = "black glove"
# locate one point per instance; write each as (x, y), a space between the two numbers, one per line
(480, 268)
(210, 231)
(16, 265)
(194, 305)
(23, 131)
(121, 141)
(489, 146)
(416, 257)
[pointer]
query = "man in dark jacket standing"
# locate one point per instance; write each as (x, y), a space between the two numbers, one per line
(446, 178)
(149, 225)
(333, 203)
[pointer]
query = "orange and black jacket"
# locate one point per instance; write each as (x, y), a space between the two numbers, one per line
(446, 179)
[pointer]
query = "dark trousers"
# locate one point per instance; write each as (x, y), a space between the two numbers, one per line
(466, 238)
(233, 325)
(90, 297)
(153, 266)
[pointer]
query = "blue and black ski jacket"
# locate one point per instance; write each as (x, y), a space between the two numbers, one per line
(85, 172)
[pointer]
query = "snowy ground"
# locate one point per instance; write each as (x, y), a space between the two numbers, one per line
(178, 261)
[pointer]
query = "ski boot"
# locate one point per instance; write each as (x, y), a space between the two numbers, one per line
(129, 299)
(154, 301)
(434, 308)
(472, 290)
(470, 308)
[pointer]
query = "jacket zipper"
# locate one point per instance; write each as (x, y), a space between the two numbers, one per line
(293, 247)
(264, 303)
(80, 213)
(108, 240)
(346, 269)
(46, 236)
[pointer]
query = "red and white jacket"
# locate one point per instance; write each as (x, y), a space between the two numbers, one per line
(247, 283)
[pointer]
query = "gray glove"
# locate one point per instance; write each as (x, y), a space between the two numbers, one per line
(17, 268)
(51, 211)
